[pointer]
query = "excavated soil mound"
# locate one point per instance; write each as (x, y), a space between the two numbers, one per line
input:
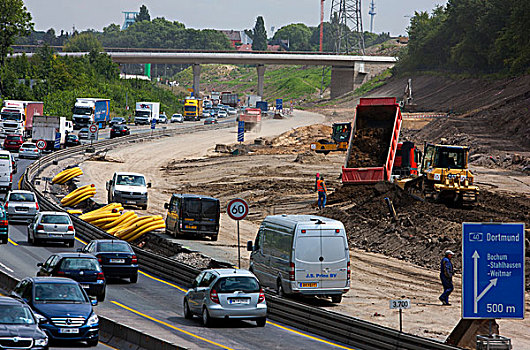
(369, 148)
(295, 141)
(424, 230)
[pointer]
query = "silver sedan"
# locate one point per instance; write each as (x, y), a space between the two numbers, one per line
(51, 226)
(226, 294)
(29, 150)
(21, 205)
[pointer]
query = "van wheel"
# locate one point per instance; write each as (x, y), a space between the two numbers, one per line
(260, 322)
(144, 207)
(214, 238)
(187, 312)
(4, 240)
(336, 299)
(279, 289)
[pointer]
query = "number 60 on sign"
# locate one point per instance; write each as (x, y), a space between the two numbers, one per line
(237, 209)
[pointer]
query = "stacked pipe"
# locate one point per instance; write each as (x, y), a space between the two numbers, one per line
(79, 195)
(67, 175)
(124, 225)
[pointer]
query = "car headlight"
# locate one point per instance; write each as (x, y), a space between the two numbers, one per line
(41, 342)
(93, 320)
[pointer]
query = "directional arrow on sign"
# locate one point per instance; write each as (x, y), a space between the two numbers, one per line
(493, 283)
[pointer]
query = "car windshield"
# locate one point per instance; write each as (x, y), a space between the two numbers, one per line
(13, 116)
(117, 119)
(55, 219)
(15, 314)
(59, 292)
(84, 130)
(237, 283)
(119, 247)
(72, 137)
(13, 138)
(21, 197)
(130, 180)
(83, 110)
(80, 264)
(28, 146)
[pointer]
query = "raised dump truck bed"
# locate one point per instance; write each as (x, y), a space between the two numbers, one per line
(373, 144)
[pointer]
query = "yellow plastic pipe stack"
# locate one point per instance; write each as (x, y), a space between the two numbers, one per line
(77, 196)
(66, 175)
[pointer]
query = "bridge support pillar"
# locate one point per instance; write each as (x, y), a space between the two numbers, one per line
(341, 80)
(261, 78)
(196, 79)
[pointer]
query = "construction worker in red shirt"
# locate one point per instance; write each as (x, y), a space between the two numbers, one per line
(322, 191)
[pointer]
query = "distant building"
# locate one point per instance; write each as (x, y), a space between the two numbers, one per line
(244, 47)
(237, 37)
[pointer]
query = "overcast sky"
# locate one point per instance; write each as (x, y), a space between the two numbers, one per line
(392, 15)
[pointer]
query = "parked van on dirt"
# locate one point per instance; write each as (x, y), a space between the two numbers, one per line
(302, 254)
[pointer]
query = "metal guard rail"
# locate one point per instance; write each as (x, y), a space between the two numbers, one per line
(331, 325)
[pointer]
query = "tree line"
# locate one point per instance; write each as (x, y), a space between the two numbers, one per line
(470, 36)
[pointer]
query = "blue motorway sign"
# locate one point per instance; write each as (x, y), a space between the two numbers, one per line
(240, 131)
(57, 143)
(279, 104)
(493, 270)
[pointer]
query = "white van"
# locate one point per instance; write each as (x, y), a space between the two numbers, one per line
(302, 254)
(6, 171)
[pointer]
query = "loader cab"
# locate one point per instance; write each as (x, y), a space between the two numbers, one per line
(341, 132)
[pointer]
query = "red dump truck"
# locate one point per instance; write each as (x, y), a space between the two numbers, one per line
(252, 119)
(374, 142)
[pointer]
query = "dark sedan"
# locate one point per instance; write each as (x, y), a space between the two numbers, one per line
(117, 121)
(83, 268)
(19, 327)
(119, 130)
(66, 307)
(72, 140)
(210, 121)
(116, 257)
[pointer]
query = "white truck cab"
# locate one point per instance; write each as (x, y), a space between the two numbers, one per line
(128, 189)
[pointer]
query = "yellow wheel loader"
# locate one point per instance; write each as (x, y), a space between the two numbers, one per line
(340, 137)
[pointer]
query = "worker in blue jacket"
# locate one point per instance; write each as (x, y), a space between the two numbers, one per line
(446, 275)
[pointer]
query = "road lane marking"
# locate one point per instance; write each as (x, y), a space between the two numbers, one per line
(80, 240)
(169, 325)
(5, 267)
(162, 281)
(12, 242)
(309, 336)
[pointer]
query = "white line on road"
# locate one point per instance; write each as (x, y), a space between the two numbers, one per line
(5, 267)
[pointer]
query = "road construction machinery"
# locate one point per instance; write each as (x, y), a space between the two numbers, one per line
(340, 136)
(407, 161)
(373, 145)
(444, 175)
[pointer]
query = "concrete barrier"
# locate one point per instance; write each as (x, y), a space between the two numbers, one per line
(111, 332)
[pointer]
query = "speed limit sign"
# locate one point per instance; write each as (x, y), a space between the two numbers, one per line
(237, 209)
(41, 144)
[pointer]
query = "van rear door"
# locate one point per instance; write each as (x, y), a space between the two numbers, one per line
(335, 258)
(306, 258)
(5, 170)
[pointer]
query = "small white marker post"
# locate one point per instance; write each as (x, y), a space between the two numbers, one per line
(400, 304)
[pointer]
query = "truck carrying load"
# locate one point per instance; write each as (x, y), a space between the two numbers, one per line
(229, 99)
(53, 130)
(88, 111)
(373, 144)
(252, 119)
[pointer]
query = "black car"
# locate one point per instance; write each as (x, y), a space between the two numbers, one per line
(116, 257)
(19, 327)
(117, 121)
(119, 130)
(72, 140)
(65, 307)
(83, 268)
